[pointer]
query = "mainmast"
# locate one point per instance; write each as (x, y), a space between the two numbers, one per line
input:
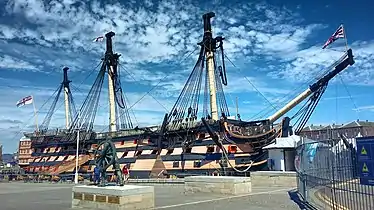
(112, 60)
(210, 44)
(209, 69)
(65, 84)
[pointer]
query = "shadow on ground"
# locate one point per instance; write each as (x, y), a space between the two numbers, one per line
(296, 198)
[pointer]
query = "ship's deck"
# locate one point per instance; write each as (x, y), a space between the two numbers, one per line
(45, 196)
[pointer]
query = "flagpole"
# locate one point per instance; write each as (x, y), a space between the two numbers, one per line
(77, 151)
(345, 37)
(35, 113)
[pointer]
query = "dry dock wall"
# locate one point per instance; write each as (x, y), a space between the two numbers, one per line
(274, 179)
(218, 184)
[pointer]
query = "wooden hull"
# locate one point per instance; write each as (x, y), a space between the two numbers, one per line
(140, 154)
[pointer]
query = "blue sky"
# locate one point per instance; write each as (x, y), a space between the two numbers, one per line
(275, 45)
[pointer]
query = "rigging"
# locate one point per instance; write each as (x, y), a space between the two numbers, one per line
(119, 116)
(210, 67)
(70, 110)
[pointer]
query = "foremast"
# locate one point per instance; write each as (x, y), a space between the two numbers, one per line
(119, 117)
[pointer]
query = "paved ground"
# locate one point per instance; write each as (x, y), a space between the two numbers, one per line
(347, 195)
(45, 196)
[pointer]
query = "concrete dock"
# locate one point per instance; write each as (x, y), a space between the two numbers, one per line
(46, 196)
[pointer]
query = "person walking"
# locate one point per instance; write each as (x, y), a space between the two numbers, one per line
(96, 175)
(125, 172)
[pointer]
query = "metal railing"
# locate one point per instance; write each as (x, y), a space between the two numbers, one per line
(328, 176)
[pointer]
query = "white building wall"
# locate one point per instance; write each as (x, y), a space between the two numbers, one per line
(277, 157)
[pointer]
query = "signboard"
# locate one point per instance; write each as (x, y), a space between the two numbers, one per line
(365, 159)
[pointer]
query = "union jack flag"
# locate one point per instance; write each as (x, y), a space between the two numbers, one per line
(338, 34)
(24, 101)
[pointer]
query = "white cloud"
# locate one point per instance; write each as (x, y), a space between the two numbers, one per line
(305, 64)
(170, 30)
(344, 97)
(364, 108)
(17, 64)
(156, 35)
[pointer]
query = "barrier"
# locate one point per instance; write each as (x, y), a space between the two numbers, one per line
(328, 176)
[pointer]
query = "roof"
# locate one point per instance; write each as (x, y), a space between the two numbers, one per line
(25, 139)
(284, 142)
(352, 124)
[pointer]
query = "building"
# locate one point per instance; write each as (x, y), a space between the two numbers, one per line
(350, 130)
(24, 152)
(282, 153)
(1, 153)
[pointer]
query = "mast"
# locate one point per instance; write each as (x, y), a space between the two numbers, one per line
(65, 84)
(237, 108)
(112, 60)
(70, 109)
(209, 44)
(119, 117)
(35, 114)
(209, 73)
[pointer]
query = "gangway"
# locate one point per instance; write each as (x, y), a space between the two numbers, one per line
(70, 164)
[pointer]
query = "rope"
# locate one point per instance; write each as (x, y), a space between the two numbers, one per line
(137, 81)
(292, 92)
(251, 84)
(224, 152)
(159, 82)
(350, 96)
(37, 112)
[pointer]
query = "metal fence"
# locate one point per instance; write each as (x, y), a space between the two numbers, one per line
(328, 176)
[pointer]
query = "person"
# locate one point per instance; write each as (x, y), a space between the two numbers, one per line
(96, 175)
(125, 172)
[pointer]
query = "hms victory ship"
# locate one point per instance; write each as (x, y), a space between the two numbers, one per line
(192, 139)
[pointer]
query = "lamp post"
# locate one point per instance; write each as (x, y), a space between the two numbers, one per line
(77, 153)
